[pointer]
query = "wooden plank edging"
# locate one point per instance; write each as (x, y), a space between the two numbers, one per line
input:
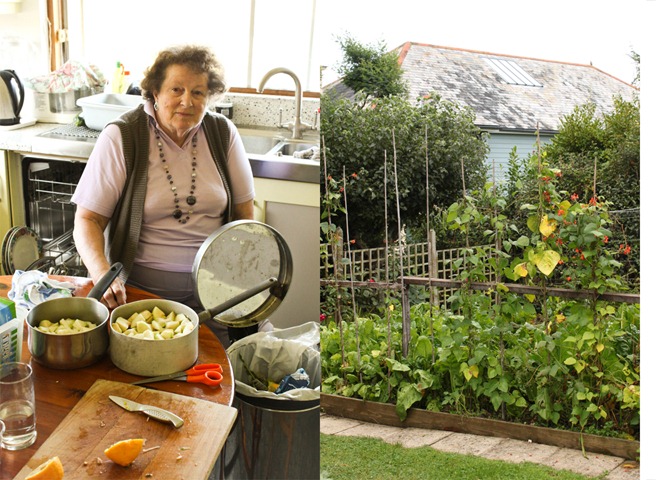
(385, 414)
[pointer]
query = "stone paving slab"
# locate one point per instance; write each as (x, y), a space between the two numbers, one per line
(466, 443)
(594, 464)
(331, 425)
(518, 451)
(625, 471)
(416, 437)
(370, 430)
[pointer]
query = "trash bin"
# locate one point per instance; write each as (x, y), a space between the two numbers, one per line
(275, 436)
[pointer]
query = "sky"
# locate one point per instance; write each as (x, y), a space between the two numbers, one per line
(600, 32)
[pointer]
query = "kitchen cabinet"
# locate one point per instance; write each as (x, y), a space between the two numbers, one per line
(292, 208)
(5, 206)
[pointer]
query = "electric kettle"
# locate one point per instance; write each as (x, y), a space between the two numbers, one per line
(11, 98)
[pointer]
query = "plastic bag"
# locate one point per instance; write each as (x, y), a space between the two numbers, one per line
(71, 76)
(274, 355)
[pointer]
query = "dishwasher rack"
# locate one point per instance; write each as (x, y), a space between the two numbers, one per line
(50, 186)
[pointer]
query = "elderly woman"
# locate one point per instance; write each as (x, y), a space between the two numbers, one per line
(161, 178)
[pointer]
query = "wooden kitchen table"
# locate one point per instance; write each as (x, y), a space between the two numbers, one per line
(58, 391)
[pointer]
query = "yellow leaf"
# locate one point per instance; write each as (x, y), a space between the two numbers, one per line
(547, 261)
(560, 317)
(565, 205)
(530, 297)
(520, 270)
(474, 370)
(547, 226)
(600, 347)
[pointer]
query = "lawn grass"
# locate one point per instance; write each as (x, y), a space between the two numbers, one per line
(350, 458)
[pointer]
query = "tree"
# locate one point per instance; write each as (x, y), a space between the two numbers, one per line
(370, 69)
(357, 140)
(608, 143)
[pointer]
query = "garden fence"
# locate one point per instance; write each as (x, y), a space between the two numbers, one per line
(419, 260)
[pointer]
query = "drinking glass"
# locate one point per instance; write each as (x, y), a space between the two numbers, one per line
(17, 405)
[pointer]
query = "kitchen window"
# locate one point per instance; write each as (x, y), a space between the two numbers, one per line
(249, 36)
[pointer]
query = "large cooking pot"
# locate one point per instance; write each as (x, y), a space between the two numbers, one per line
(243, 270)
(76, 350)
(153, 357)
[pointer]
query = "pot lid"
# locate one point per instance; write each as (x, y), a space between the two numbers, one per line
(236, 260)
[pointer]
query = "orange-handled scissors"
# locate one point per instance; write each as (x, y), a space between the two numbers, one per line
(206, 373)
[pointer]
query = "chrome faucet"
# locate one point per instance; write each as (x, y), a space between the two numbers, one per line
(297, 126)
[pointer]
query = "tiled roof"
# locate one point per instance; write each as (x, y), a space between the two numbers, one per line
(468, 77)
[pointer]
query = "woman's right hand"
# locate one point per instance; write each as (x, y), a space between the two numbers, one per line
(115, 295)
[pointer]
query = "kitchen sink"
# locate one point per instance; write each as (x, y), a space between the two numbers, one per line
(259, 144)
(287, 148)
(272, 144)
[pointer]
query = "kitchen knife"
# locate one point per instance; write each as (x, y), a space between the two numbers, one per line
(150, 410)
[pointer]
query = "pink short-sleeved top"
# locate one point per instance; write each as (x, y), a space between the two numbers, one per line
(165, 243)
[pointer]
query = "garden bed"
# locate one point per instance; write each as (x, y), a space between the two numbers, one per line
(385, 414)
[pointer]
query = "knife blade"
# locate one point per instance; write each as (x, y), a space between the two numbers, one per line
(153, 412)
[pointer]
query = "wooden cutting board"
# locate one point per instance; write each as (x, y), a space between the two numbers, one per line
(95, 423)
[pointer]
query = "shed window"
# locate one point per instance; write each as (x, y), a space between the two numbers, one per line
(512, 73)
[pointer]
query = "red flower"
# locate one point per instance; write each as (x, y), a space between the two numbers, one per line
(560, 212)
(354, 175)
(625, 250)
(593, 201)
(322, 317)
(558, 174)
(568, 279)
(574, 197)
(371, 280)
(606, 239)
(353, 242)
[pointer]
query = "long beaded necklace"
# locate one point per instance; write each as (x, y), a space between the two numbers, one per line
(190, 199)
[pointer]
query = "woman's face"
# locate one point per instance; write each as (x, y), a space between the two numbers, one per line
(181, 101)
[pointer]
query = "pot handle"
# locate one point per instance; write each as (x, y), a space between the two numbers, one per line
(212, 312)
(104, 282)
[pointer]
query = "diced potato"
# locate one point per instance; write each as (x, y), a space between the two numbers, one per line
(137, 319)
(79, 325)
(158, 313)
(146, 314)
(142, 326)
(117, 328)
(45, 323)
(170, 317)
(122, 323)
(148, 334)
(167, 333)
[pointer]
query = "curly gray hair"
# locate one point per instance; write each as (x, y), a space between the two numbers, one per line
(197, 58)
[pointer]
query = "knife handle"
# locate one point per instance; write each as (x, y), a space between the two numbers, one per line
(162, 415)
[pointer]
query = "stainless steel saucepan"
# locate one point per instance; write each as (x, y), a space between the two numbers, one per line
(75, 350)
